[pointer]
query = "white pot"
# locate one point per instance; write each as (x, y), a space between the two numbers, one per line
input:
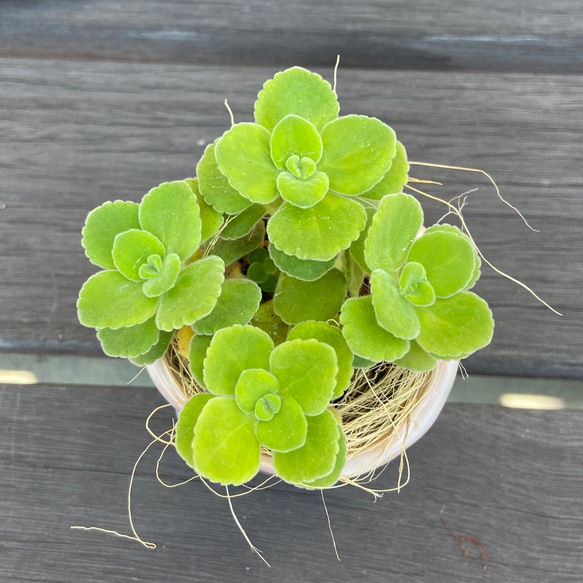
(422, 417)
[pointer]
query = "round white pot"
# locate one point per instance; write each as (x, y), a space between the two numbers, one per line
(422, 417)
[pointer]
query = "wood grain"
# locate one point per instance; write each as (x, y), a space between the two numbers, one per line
(510, 479)
(496, 35)
(75, 134)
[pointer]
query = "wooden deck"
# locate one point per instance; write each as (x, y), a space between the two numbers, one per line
(102, 100)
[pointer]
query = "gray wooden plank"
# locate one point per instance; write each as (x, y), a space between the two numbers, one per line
(510, 479)
(75, 134)
(427, 34)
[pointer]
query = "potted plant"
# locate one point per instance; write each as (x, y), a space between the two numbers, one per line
(288, 299)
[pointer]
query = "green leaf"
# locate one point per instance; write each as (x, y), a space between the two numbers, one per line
(225, 448)
(103, 225)
(394, 313)
(299, 92)
(211, 220)
(317, 457)
(449, 261)
(288, 428)
(238, 302)
(270, 284)
(253, 384)
(333, 337)
(455, 327)
(257, 273)
(303, 193)
(329, 480)
(231, 351)
(198, 348)
(165, 280)
(129, 342)
(393, 230)
(243, 157)
(359, 362)
(267, 320)
(320, 232)
(307, 370)
(108, 300)
(258, 256)
(156, 352)
(417, 359)
(194, 296)
(240, 225)
(354, 275)
(186, 425)
(294, 136)
(303, 269)
(131, 250)
(364, 335)
(215, 187)
(296, 300)
(267, 407)
(357, 248)
(171, 213)
(394, 179)
(230, 251)
(358, 151)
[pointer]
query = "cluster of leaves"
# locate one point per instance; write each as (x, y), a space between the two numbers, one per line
(293, 222)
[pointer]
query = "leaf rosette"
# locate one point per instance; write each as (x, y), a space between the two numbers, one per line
(261, 395)
(147, 287)
(419, 309)
(301, 152)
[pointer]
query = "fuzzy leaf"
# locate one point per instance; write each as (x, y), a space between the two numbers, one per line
(171, 213)
(364, 335)
(320, 232)
(296, 300)
(307, 370)
(303, 269)
(303, 193)
(267, 320)
(131, 341)
(225, 448)
(317, 457)
(211, 219)
(417, 359)
(231, 351)
(242, 223)
(358, 151)
(449, 261)
(359, 362)
(156, 352)
(299, 92)
(243, 157)
(331, 479)
(333, 337)
(215, 187)
(131, 250)
(238, 302)
(394, 313)
(253, 384)
(165, 280)
(295, 136)
(194, 296)
(108, 300)
(288, 428)
(230, 251)
(357, 248)
(455, 327)
(187, 424)
(393, 230)
(196, 355)
(354, 275)
(102, 226)
(394, 179)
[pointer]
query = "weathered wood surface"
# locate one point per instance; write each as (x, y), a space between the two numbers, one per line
(75, 134)
(510, 479)
(496, 35)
